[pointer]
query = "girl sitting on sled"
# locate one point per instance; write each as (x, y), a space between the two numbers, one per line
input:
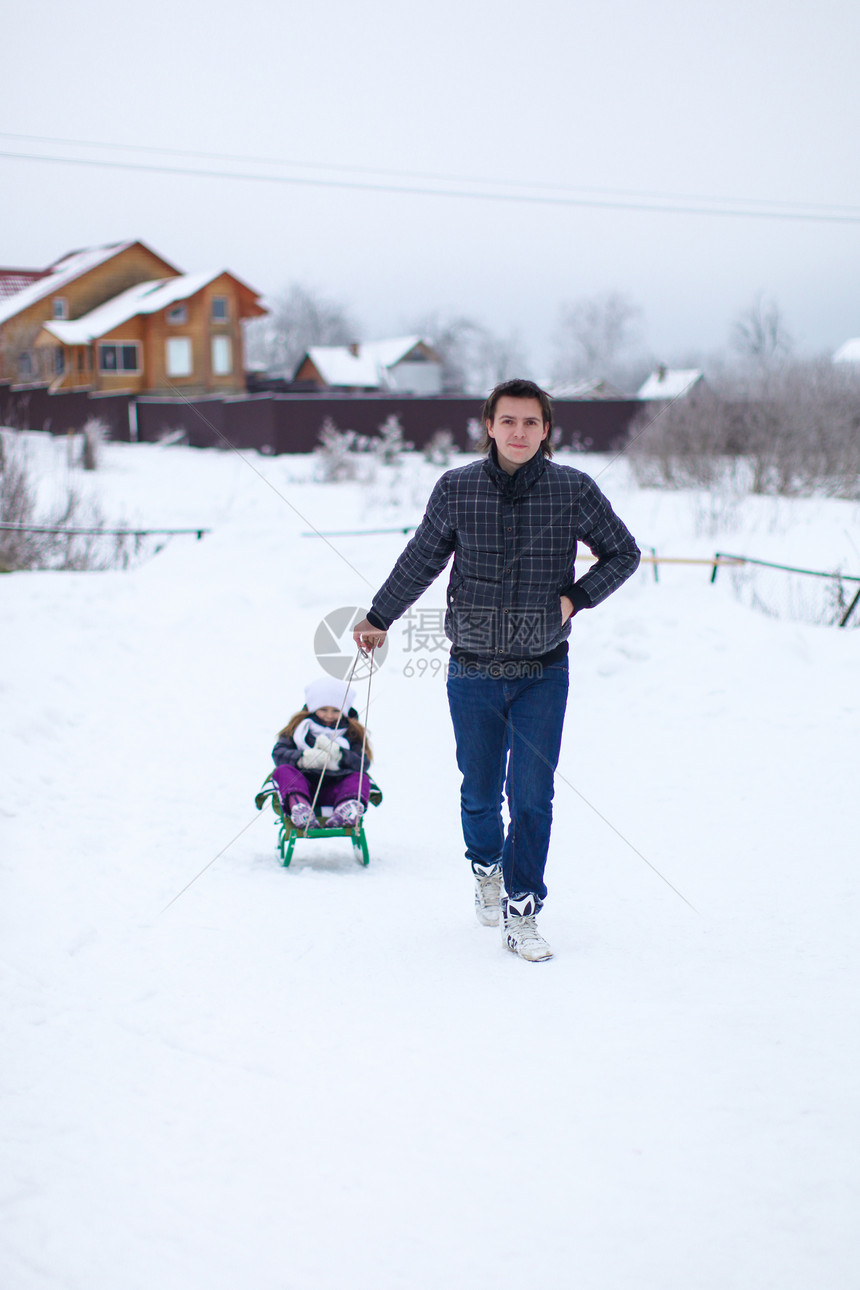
(323, 742)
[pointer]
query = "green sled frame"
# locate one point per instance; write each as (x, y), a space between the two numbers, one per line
(288, 834)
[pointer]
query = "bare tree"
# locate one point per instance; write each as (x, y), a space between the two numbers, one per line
(474, 359)
(299, 318)
(682, 444)
(759, 335)
(792, 432)
(595, 335)
(31, 539)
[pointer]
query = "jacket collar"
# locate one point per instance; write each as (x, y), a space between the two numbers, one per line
(513, 487)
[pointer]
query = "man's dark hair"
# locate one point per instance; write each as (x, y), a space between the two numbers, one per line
(517, 389)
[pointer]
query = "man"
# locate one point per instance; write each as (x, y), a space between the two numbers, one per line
(512, 521)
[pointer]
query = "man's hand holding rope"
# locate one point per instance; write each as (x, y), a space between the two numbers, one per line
(367, 637)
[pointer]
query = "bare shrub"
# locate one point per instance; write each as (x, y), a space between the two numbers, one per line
(30, 540)
(169, 436)
(439, 448)
(339, 455)
(18, 550)
(474, 433)
(793, 431)
(390, 445)
(813, 439)
(778, 593)
(95, 432)
(682, 444)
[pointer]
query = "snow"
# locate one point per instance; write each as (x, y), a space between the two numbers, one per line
(330, 1076)
(367, 367)
(669, 384)
(143, 298)
(849, 352)
(585, 389)
(61, 274)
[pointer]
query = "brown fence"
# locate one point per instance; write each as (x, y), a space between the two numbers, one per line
(282, 423)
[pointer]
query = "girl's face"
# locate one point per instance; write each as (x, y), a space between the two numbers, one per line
(328, 716)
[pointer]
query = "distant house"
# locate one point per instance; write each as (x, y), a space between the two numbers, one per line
(849, 352)
(669, 383)
(120, 318)
(407, 365)
(585, 389)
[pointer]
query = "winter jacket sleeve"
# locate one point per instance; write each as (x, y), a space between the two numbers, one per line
(351, 759)
(611, 541)
(285, 752)
(423, 559)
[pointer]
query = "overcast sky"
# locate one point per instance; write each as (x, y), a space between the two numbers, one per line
(739, 105)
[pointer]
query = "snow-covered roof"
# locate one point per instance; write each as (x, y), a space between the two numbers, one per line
(144, 298)
(364, 366)
(584, 389)
(669, 383)
(58, 276)
(849, 352)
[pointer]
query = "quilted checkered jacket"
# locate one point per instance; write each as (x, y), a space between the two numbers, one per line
(514, 540)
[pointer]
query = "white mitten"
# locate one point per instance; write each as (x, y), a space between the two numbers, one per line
(313, 758)
(331, 747)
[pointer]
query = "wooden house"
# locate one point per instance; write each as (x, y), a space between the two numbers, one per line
(122, 319)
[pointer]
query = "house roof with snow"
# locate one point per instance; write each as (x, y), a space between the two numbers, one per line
(849, 352)
(366, 365)
(669, 383)
(57, 276)
(584, 389)
(14, 280)
(145, 298)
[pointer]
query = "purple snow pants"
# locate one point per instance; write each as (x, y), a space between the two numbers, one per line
(289, 780)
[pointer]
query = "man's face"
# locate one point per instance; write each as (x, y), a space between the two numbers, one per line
(518, 429)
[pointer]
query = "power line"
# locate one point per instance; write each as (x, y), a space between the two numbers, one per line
(436, 176)
(653, 206)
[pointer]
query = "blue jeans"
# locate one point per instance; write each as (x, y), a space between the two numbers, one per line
(508, 730)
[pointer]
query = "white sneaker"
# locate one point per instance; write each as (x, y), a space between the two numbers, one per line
(519, 929)
(488, 892)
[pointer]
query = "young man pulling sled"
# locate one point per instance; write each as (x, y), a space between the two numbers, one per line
(512, 522)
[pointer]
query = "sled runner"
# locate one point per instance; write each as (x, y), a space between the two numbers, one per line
(288, 833)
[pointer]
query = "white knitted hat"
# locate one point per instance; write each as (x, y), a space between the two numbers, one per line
(328, 692)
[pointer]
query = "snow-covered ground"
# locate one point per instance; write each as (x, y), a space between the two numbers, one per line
(332, 1078)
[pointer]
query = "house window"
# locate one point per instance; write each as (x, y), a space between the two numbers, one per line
(222, 355)
(178, 314)
(59, 361)
(219, 309)
(61, 307)
(25, 365)
(119, 358)
(179, 356)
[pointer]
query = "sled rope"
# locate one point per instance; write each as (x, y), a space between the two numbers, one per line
(337, 723)
(364, 736)
(208, 866)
